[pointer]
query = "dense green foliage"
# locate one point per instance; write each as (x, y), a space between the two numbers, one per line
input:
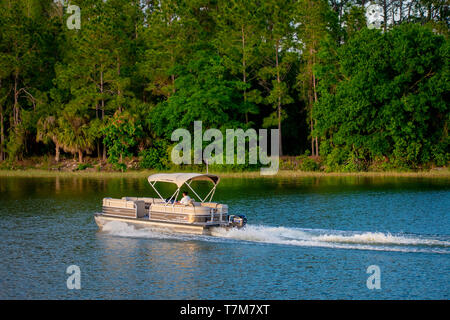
(203, 93)
(354, 97)
(390, 99)
(120, 135)
(156, 157)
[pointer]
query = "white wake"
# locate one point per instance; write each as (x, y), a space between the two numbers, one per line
(337, 239)
(299, 237)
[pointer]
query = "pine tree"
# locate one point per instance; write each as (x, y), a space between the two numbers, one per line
(311, 21)
(277, 45)
(238, 40)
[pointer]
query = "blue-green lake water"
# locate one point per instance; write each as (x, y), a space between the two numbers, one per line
(307, 238)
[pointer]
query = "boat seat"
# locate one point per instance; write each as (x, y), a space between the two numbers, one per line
(181, 208)
(147, 200)
(210, 205)
(134, 208)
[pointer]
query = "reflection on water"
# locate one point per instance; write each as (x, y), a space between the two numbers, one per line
(307, 238)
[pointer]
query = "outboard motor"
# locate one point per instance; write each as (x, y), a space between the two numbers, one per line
(237, 221)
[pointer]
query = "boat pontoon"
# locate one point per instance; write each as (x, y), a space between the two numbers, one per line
(168, 214)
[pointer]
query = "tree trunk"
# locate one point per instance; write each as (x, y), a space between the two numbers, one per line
(279, 127)
(172, 76)
(80, 156)
(244, 71)
(16, 100)
(385, 14)
(98, 142)
(103, 109)
(311, 99)
(317, 147)
(409, 10)
(315, 101)
(16, 107)
(101, 91)
(118, 87)
(393, 14)
(170, 18)
(57, 153)
(279, 99)
(401, 11)
(2, 135)
(312, 138)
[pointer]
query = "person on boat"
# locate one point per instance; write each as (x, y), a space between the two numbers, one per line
(186, 199)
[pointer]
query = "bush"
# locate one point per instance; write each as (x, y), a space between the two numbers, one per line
(308, 164)
(121, 134)
(235, 167)
(155, 157)
(336, 159)
(288, 164)
(84, 166)
(353, 164)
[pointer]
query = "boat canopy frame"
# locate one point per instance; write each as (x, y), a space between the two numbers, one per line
(181, 179)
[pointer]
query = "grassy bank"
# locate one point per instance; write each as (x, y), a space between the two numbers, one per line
(39, 173)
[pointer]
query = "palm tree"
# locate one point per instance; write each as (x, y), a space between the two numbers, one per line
(76, 135)
(48, 130)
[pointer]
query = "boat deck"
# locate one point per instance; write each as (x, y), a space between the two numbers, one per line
(144, 222)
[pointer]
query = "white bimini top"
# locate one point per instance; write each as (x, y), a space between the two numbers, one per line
(181, 178)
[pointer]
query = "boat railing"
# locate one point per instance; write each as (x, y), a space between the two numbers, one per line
(212, 212)
(134, 207)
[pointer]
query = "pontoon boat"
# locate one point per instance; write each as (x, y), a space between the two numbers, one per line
(197, 217)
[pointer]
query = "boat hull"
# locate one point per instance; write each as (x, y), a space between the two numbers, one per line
(169, 226)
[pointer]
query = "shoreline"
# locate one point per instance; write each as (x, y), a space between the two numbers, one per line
(40, 173)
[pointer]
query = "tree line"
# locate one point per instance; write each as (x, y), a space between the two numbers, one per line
(344, 81)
